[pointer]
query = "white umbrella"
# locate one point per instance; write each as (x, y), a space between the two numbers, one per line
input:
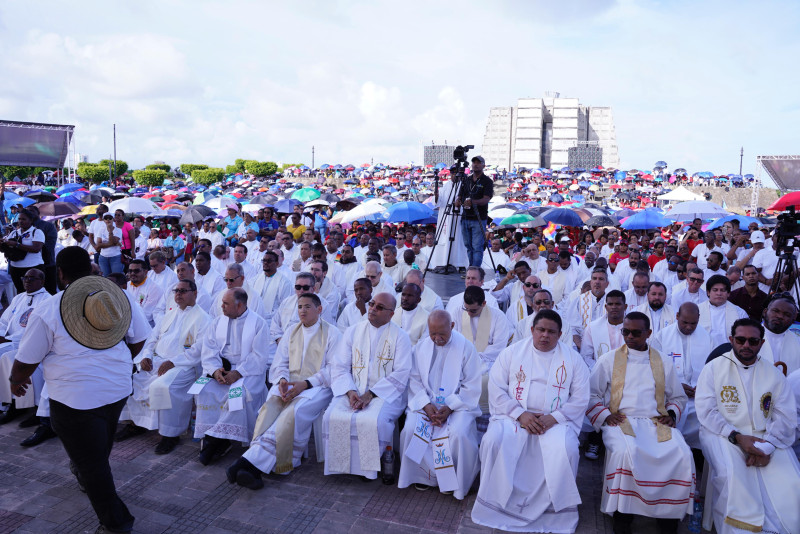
(502, 213)
(218, 203)
(693, 209)
(134, 205)
(366, 210)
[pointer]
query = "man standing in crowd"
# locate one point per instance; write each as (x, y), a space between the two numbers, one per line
(749, 297)
(474, 195)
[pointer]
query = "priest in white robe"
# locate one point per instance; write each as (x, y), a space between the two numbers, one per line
(235, 278)
(542, 300)
(636, 295)
(605, 333)
(538, 392)
(748, 424)
(782, 345)
(271, 286)
(380, 283)
(440, 440)
(206, 277)
(636, 401)
(145, 292)
(232, 387)
(167, 366)
(589, 305)
(159, 272)
(656, 309)
(692, 291)
(687, 346)
(524, 307)
(556, 279)
(409, 315)
(325, 289)
(369, 378)
(474, 277)
(447, 224)
(430, 300)
(185, 271)
(717, 315)
(356, 311)
(301, 392)
(509, 288)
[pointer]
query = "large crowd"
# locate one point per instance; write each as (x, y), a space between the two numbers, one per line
(666, 351)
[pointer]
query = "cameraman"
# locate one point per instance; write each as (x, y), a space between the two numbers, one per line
(474, 195)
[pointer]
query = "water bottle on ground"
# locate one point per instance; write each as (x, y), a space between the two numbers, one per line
(387, 466)
(696, 521)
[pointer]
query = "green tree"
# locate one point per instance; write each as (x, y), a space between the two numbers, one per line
(287, 165)
(122, 167)
(190, 168)
(232, 169)
(261, 168)
(93, 172)
(158, 167)
(208, 176)
(239, 163)
(150, 177)
(14, 171)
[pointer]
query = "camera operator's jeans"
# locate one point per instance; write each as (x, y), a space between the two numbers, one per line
(474, 239)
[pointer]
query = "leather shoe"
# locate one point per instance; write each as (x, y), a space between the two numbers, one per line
(9, 415)
(43, 433)
(30, 421)
(167, 444)
(129, 431)
(213, 449)
(233, 469)
(249, 480)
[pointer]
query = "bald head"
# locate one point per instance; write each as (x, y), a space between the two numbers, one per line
(440, 327)
(381, 309)
(688, 316)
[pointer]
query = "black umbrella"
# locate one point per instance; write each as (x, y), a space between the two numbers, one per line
(93, 197)
(348, 203)
(330, 197)
(193, 214)
(41, 196)
(183, 197)
(53, 209)
(263, 200)
(602, 220)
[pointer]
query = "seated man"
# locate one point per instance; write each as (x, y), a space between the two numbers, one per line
(356, 311)
(144, 290)
(443, 392)
(286, 316)
(232, 387)
(167, 366)
(430, 300)
(167, 302)
(12, 326)
(636, 400)
(748, 423)
(542, 300)
(717, 315)
(474, 277)
(409, 314)
(538, 391)
(301, 373)
(234, 277)
(781, 344)
(369, 377)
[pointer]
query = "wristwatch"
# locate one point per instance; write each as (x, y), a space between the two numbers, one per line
(732, 437)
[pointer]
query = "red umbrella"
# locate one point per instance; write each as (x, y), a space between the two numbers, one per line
(789, 199)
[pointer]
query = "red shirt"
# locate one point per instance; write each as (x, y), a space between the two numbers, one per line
(616, 258)
(652, 259)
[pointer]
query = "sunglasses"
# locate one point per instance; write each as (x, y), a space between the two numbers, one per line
(696, 280)
(231, 280)
(130, 271)
(379, 307)
(752, 341)
(531, 284)
(552, 260)
(541, 302)
(634, 333)
(179, 291)
(299, 287)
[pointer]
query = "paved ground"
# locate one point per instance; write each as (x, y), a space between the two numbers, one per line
(175, 494)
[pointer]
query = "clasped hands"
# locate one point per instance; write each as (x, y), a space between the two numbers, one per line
(437, 417)
(359, 402)
(536, 423)
(616, 418)
(147, 365)
(226, 378)
(753, 456)
(290, 390)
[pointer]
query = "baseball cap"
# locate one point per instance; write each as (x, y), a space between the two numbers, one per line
(757, 237)
(564, 239)
(479, 158)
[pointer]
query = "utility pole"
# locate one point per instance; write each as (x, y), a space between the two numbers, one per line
(741, 157)
(312, 157)
(115, 151)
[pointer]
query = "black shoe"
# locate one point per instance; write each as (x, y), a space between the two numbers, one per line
(74, 471)
(167, 444)
(234, 469)
(247, 479)
(130, 430)
(213, 449)
(622, 523)
(43, 433)
(9, 415)
(30, 421)
(667, 526)
(102, 529)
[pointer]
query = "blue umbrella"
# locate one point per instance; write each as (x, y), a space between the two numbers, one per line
(287, 205)
(68, 188)
(72, 199)
(660, 165)
(584, 183)
(562, 216)
(440, 166)
(645, 220)
(743, 221)
(409, 212)
(21, 201)
(620, 175)
(556, 197)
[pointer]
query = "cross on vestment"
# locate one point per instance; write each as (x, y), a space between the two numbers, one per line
(561, 377)
(359, 365)
(674, 356)
(524, 504)
(427, 472)
(385, 361)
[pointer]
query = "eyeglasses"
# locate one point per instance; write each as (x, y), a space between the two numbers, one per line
(752, 341)
(231, 280)
(299, 287)
(552, 260)
(30, 278)
(696, 280)
(542, 302)
(531, 284)
(178, 291)
(379, 307)
(130, 271)
(633, 333)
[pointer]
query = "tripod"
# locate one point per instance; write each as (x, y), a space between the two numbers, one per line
(786, 269)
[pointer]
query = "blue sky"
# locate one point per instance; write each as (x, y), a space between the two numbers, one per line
(208, 82)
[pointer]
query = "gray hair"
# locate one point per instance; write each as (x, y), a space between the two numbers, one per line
(239, 295)
(374, 265)
(308, 276)
(235, 267)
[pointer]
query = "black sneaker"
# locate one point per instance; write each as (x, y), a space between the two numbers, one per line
(167, 444)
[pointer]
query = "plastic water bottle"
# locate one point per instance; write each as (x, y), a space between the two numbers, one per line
(387, 466)
(696, 521)
(440, 399)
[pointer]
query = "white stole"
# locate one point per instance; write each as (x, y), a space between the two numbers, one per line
(418, 322)
(707, 323)
(267, 288)
(484, 328)
(378, 367)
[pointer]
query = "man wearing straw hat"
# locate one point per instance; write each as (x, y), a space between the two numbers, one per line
(85, 339)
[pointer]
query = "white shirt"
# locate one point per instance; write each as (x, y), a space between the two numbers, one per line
(29, 237)
(102, 235)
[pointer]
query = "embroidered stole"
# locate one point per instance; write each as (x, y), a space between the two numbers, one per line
(585, 307)
(300, 368)
(484, 328)
(158, 392)
(368, 370)
(664, 432)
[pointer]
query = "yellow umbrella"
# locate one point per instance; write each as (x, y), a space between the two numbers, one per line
(89, 210)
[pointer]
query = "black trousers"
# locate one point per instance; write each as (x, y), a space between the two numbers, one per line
(87, 436)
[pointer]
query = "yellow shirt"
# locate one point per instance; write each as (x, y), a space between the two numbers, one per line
(296, 231)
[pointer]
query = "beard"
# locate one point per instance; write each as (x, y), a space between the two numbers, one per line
(351, 259)
(776, 328)
(656, 305)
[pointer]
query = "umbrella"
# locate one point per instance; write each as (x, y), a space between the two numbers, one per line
(306, 194)
(134, 205)
(68, 188)
(556, 197)
(317, 202)
(367, 211)
(203, 197)
(660, 165)
(409, 212)
(687, 211)
(501, 213)
(39, 195)
(218, 203)
(263, 199)
(602, 220)
(518, 218)
(348, 203)
(286, 205)
(789, 199)
(72, 199)
(20, 201)
(645, 220)
(195, 214)
(743, 221)
(562, 216)
(330, 198)
(54, 209)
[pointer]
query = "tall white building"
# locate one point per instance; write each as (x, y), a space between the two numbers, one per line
(538, 132)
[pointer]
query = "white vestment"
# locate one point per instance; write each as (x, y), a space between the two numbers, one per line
(147, 296)
(517, 313)
(350, 315)
(167, 303)
(273, 425)
(489, 336)
(586, 309)
(286, 317)
(444, 227)
(367, 358)
(413, 322)
(659, 319)
(165, 279)
(754, 400)
(430, 300)
(456, 302)
(786, 346)
(254, 303)
(212, 281)
(162, 402)
(452, 372)
(558, 283)
(688, 354)
(527, 480)
(649, 469)
(243, 342)
(523, 330)
(718, 320)
(599, 338)
(632, 300)
(681, 295)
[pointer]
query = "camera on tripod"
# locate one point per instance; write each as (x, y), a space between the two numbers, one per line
(787, 229)
(461, 164)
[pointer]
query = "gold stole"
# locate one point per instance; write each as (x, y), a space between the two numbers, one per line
(484, 328)
(275, 409)
(664, 432)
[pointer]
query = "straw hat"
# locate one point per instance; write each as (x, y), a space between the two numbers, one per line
(95, 312)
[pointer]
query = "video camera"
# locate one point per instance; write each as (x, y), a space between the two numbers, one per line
(787, 229)
(460, 156)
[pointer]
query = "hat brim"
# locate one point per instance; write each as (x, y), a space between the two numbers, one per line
(75, 322)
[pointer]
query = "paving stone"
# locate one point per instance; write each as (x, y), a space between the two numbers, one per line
(11, 521)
